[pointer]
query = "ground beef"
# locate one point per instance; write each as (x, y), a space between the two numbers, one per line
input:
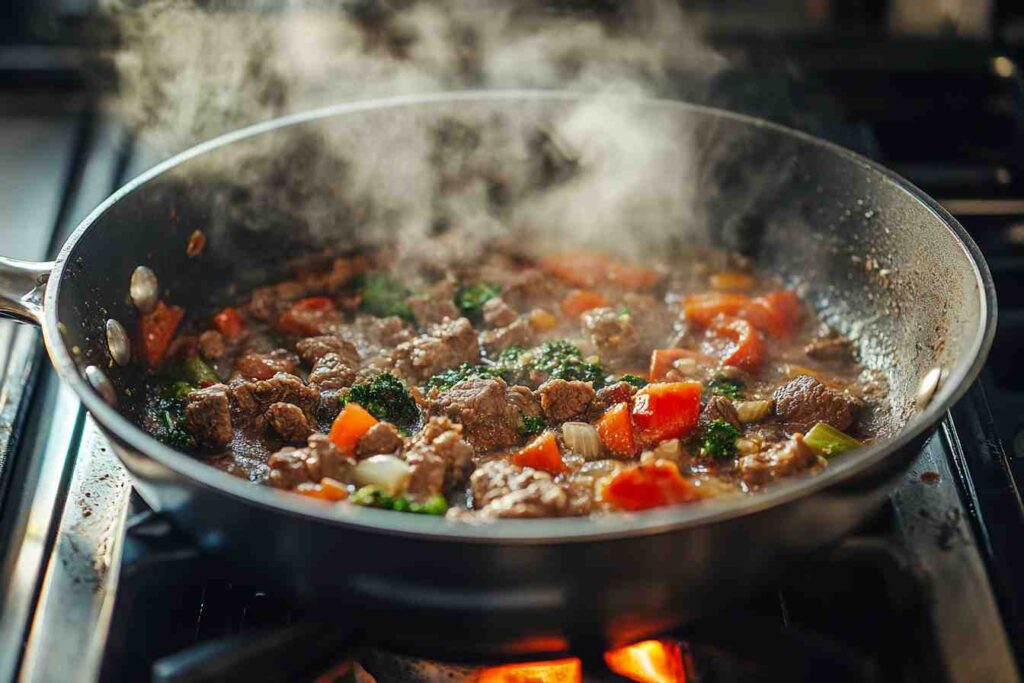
(831, 349)
(212, 345)
(290, 467)
(251, 399)
(519, 333)
(288, 421)
(332, 372)
(780, 460)
(612, 395)
(803, 401)
(489, 417)
(720, 408)
(381, 438)
(612, 333)
(208, 416)
(561, 400)
(439, 457)
(444, 346)
(429, 309)
(312, 349)
(500, 489)
(497, 313)
(531, 288)
(254, 365)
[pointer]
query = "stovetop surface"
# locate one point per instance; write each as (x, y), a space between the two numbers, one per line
(928, 591)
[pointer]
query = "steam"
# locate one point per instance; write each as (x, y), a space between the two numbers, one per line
(189, 71)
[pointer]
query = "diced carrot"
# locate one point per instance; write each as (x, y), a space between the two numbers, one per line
(157, 331)
(579, 301)
(351, 423)
(732, 281)
(668, 410)
(615, 428)
(701, 309)
(333, 489)
(542, 320)
(579, 268)
(633, 277)
(777, 313)
(541, 454)
(747, 350)
(307, 317)
(663, 360)
(649, 486)
(229, 323)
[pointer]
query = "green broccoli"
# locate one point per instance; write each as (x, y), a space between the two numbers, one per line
(384, 296)
(718, 440)
(635, 380)
(386, 398)
(564, 360)
(173, 434)
(531, 426)
(471, 298)
(723, 386)
(443, 381)
(373, 497)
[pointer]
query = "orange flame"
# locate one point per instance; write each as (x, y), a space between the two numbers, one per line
(554, 671)
(649, 661)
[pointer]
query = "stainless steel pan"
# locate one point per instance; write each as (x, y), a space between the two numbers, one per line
(880, 259)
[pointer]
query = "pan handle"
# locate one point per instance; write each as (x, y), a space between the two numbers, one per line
(22, 284)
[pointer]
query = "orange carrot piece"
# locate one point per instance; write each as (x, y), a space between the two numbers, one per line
(615, 428)
(701, 309)
(632, 276)
(157, 329)
(649, 486)
(541, 454)
(579, 301)
(668, 410)
(663, 360)
(229, 323)
(351, 423)
(747, 350)
(732, 281)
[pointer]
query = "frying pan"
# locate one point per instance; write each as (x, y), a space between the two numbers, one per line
(879, 260)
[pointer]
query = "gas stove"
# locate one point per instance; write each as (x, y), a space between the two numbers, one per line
(97, 587)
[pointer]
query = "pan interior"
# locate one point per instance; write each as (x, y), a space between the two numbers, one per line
(877, 262)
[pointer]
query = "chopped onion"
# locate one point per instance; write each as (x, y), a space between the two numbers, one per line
(582, 438)
(386, 472)
(669, 450)
(752, 411)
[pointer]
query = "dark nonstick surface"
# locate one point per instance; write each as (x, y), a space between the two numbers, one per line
(878, 259)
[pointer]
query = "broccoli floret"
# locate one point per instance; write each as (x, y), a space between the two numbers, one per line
(723, 386)
(531, 426)
(384, 296)
(173, 434)
(564, 360)
(635, 380)
(719, 440)
(471, 298)
(176, 392)
(386, 398)
(373, 497)
(554, 353)
(443, 381)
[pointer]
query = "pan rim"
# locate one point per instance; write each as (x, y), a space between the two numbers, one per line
(541, 531)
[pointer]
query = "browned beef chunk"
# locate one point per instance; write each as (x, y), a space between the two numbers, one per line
(612, 333)
(561, 400)
(524, 401)
(497, 313)
(312, 349)
(372, 335)
(251, 399)
(720, 408)
(803, 401)
(519, 333)
(381, 438)
(500, 489)
(290, 467)
(212, 345)
(439, 459)
(332, 372)
(530, 288)
(254, 365)
(288, 421)
(266, 303)
(830, 349)
(430, 309)
(208, 416)
(780, 460)
(489, 418)
(444, 346)
(611, 395)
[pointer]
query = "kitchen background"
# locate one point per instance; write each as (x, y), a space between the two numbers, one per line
(93, 587)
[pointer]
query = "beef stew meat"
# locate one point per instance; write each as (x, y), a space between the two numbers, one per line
(574, 384)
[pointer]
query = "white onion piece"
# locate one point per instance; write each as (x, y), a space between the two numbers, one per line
(752, 411)
(386, 472)
(582, 438)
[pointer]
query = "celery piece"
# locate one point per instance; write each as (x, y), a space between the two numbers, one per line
(829, 441)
